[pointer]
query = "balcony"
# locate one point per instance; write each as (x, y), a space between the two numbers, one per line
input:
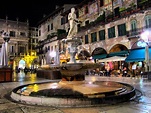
(136, 32)
(99, 21)
(123, 12)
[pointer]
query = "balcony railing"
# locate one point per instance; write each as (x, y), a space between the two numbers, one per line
(137, 32)
(124, 13)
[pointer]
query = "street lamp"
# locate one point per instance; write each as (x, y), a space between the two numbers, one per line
(146, 36)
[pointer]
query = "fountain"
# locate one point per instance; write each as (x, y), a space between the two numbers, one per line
(73, 89)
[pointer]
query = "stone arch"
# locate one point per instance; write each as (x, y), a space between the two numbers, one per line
(118, 45)
(118, 50)
(99, 51)
(22, 64)
(139, 44)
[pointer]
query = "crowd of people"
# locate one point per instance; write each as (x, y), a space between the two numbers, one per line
(134, 69)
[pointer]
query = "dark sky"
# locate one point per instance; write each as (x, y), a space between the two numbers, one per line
(33, 10)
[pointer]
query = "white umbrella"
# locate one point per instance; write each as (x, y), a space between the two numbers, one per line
(112, 59)
(3, 56)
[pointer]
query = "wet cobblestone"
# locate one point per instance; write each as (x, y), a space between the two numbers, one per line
(141, 105)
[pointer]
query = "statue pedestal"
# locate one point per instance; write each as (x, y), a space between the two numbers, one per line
(6, 74)
(72, 44)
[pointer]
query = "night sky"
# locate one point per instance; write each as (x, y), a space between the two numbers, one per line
(33, 10)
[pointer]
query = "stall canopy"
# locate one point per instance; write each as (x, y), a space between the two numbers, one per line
(112, 59)
(120, 53)
(137, 55)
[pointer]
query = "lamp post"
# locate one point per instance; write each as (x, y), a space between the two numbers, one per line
(145, 36)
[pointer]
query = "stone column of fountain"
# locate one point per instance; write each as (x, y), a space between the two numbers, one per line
(73, 71)
(72, 44)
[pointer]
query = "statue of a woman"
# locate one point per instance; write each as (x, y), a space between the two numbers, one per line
(72, 23)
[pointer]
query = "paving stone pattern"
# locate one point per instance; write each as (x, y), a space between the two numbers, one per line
(141, 105)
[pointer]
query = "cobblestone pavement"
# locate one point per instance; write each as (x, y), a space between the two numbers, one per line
(142, 105)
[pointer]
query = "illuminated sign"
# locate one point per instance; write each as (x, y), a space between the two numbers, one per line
(141, 44)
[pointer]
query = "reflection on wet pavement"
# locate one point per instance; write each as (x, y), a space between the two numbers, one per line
(143, 105)
(22, 76)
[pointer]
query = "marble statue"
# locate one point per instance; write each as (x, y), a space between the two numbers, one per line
(72, 23)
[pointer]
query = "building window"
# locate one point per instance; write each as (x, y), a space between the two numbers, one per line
(111, 32)
(86, 10)
(52, 26)
(78, 27)
(101, 3)
(133, 27)
(122, 30)
(21, 49)
(86, 39)
(11, 49)
(48, 48)
(12, 33)
(39, 32)
(48, 27)
(33, 40)
(148, 21)
(62, 21)
(93, 37)
(102, 35)
(22, 34)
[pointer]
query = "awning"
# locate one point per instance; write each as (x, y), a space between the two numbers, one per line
(120, 53)
(112, 59)
(137, 55)
(99, 56)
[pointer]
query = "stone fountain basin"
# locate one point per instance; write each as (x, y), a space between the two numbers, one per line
(69, 94)
(73, 69)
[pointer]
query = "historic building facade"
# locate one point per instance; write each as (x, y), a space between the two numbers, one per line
(107, 27)
(21, 36)
(51, 30)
